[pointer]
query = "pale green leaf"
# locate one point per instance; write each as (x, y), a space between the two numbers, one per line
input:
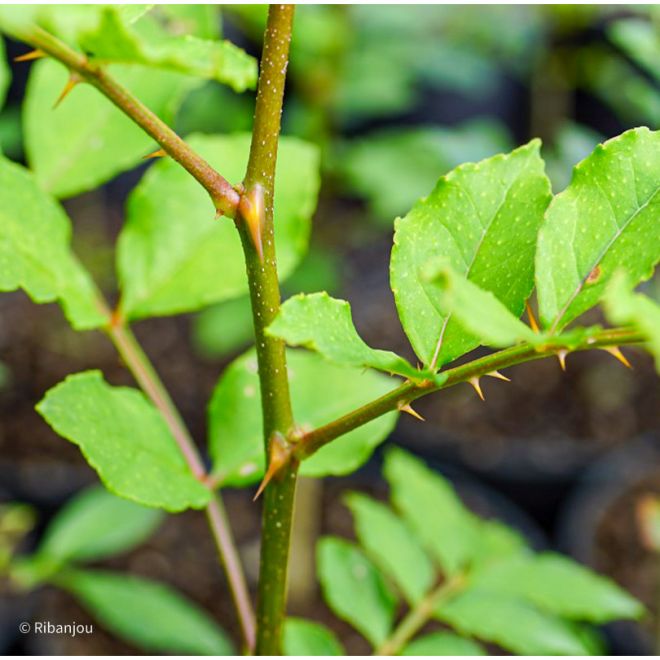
(5, 73)
(125, 439)
(96, 524)
(354, 589)
(510, 623)
(606, 218)
(484, 219)
(558, 585)
(302, 637)
(174, 257)
(442, 643)
(392, 545)
(320, 392)
(640, 40)
(86, 140)
(148, 614)
(325, 324)
(35, 253)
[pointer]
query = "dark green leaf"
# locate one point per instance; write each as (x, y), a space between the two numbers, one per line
(302, 637)
(5, 73)
(442, 643)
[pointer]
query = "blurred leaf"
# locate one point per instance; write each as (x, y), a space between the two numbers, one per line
(442, 643)
(302, 637)
(355, 590)
(392, 546)
(172, 255)
(320, 270)
(5, 73)
(605, 219)
(35, 252)
(223, 328)
(86, 140)
(11, 138)
(648, 518)
(203, 21)
(484, 219)
(95, 524)
(125, 439)
(640, 40)
(324, 324)
(146, 613)
(320, 393)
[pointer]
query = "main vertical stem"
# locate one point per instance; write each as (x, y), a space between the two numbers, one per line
(265, 296)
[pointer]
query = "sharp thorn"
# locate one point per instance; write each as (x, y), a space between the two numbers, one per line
(497, 374)
(251, 209)
(159, 153)
(278, 457)
(32, 55)
(615, 351)
(533, 324)
(73, 80)
(477, 387)
(407, 408)
(561, 356)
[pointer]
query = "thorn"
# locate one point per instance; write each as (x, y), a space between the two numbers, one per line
(73, 80)
(32, 55)
(533, 324)
(561, 356)
(251, 209)
(497, 374)
(615, 351)
(407, 408)
(159, 153)
(278, 457)
(477, 387)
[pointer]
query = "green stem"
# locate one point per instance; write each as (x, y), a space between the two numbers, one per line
(279, 495)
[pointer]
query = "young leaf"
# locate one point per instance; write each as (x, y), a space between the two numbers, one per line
(35, 254)
(5, 73)
(173, 257)
(320, 393)
(354, 589)
(478, 311)
(442, 643)
(124, 438)
(87, 140)
(429, 503)
(560, 586)
(146, 613)
(483, 218)
(302, 637)
(606, 218)
(510, 623)
(96, 524)
(325, 324)
(392, 546)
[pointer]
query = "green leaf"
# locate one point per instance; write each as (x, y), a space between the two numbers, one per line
(86, 140)
(430, 505)
(623, 306)
(125, 439)
(510, 623)
(320, 392)
(484, 219)
(478, 311)
(302, 637)
(392, 546)
(606, 218)
(355, 590)
(640, 40)
(325, 324)
(5, 73)
(223, 328)
(95, 524)
(174, 257)
(560, 586)
(146, 613)
(442, 643)
(35, 252)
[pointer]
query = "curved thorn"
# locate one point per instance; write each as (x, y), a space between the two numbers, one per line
(32, 55)
(251, 209)
(73, 80)
(533, 324)
(159, 153)
(474, 381)
(561, 356)
(498, 375)
(615, 352)
(407, 408)
(278, 456)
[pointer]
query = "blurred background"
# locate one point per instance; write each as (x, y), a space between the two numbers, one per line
(395, 96)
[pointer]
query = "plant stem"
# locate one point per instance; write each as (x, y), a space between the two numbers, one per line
(312, 441)
(224, 196)
(279, 495)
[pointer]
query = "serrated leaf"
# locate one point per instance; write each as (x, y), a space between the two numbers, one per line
(148, 614)
(5, 73)
(302, 637)
(510, 623)
(35, 254)
(606, 218)
(320, 393)
(174, 257)
(125, 439)
(483, 218)
(324, 324)
(430, 505)
(560, 586)
(86, 140)
(392, 546)
(442, 643)
(96, 524)
(354, 589)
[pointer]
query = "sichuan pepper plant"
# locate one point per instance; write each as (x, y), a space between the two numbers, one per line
(465, 264)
